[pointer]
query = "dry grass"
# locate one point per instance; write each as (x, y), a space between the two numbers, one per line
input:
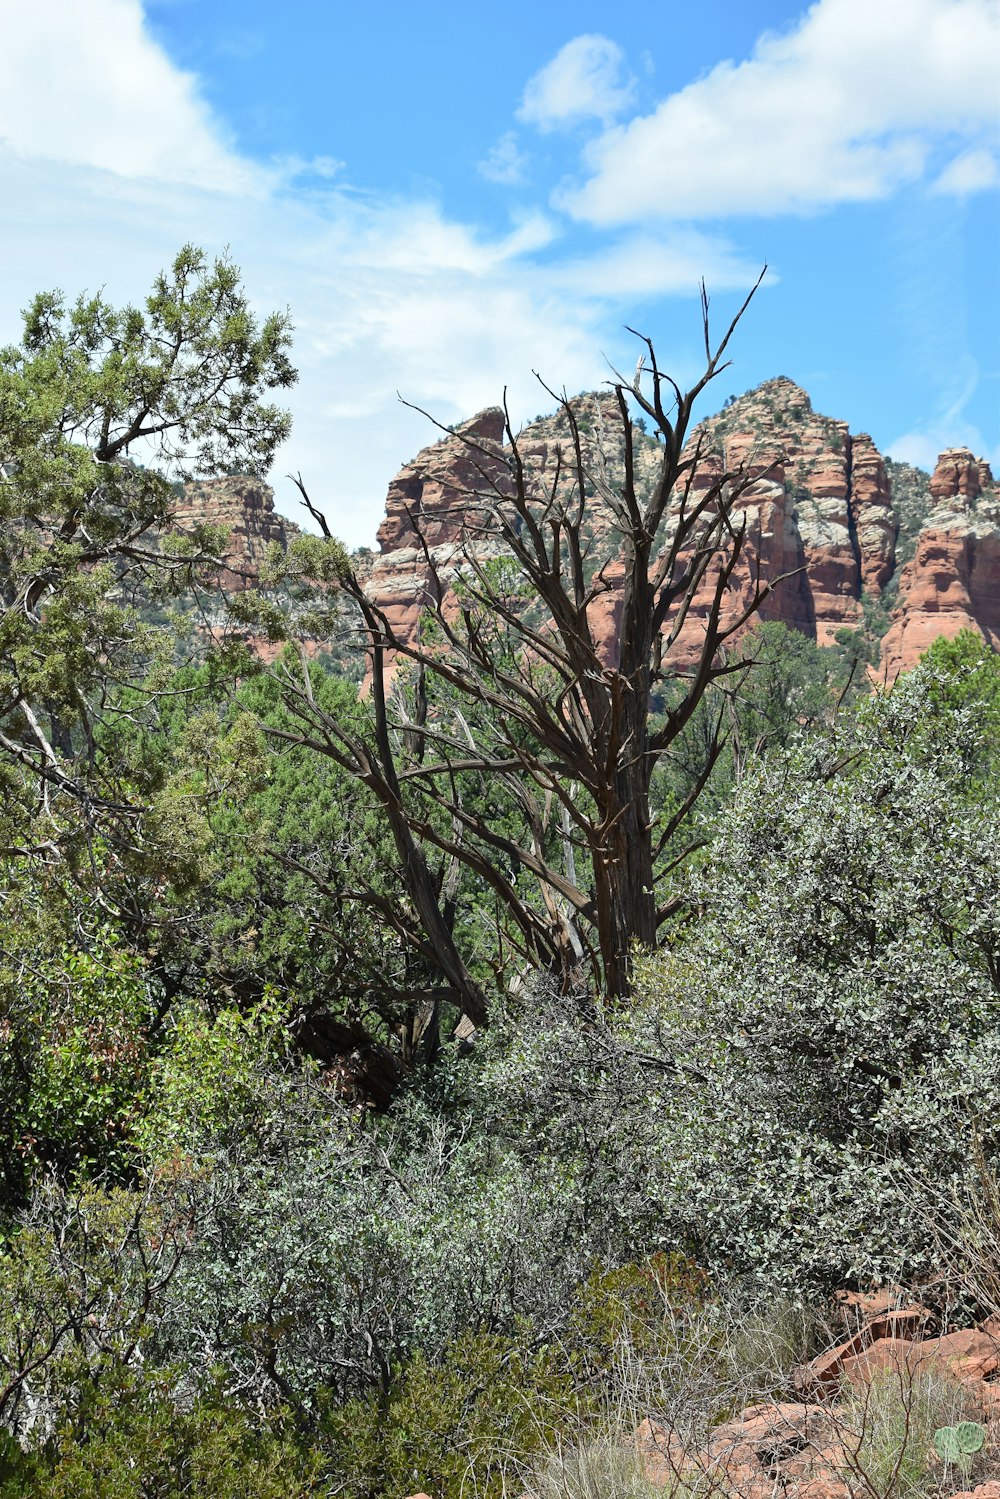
(965, 1223)
(888, 1425)
(603, 1467)
(978, 1233)
(687, 1370)
(707, 1365)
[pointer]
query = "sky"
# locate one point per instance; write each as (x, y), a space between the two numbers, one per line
(450, 197)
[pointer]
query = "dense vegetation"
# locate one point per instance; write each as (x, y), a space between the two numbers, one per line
(280, 1213)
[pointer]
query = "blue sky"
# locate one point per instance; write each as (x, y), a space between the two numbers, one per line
(450, 196)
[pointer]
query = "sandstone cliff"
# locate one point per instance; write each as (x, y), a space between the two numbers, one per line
(952, 582)
(819, 514)
(244, 509)
(859, 543)
(851, 536)
(440, 494)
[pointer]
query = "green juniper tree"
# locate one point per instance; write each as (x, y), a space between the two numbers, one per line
(99, 408)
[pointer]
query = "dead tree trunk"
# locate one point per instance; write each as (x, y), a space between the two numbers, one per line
(559, 720)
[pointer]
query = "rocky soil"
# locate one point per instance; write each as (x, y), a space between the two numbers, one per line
(831, 1442)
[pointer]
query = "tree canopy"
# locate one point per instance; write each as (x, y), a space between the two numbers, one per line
(100, 409)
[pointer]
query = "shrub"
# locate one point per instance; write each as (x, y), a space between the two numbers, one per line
(634, 1302)
(452, 1427)
(333, 1249)
(86, 1282)
(812, 1038)
(74, 1058)
(826, 1029)
(136, 1437)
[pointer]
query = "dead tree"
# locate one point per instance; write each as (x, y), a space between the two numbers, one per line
(540, 707)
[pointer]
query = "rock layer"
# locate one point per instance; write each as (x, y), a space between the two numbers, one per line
(434, 503)
(244, 509)
(820, 516)
(952, 583)
(852, 540)
(820, 511)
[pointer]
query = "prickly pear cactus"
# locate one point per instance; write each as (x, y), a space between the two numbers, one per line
(959, 1444)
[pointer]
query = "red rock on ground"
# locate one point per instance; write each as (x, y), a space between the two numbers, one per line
(771, 1428)
(879, 1321)
(793, 1447)
(820, 1488)
(856, 1308)
(970, 1355)
(662, 1455)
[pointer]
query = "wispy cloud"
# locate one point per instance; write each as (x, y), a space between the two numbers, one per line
(923, 446)
(973, 171)
(848, 106)
(949, 426)
(647, 265)
(505, 162)
(586, 80)
(387, 298)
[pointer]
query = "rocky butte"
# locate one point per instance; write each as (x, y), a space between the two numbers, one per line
(952, 581)
(867, 544)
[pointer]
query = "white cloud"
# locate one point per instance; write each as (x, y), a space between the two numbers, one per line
(84, 83)
(845, 107)
(505, 162)
(386, 298)
(296, 168)
(971, 172)
(644, 265)
(582, 82)
(125, 164)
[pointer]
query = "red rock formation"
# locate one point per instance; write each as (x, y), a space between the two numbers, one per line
(872, 514)
(819, 511)
(822, 506)
(442, 492)
(807, 521)
(439, 488)
(959, 474)
(953, 581)
(244, 508)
